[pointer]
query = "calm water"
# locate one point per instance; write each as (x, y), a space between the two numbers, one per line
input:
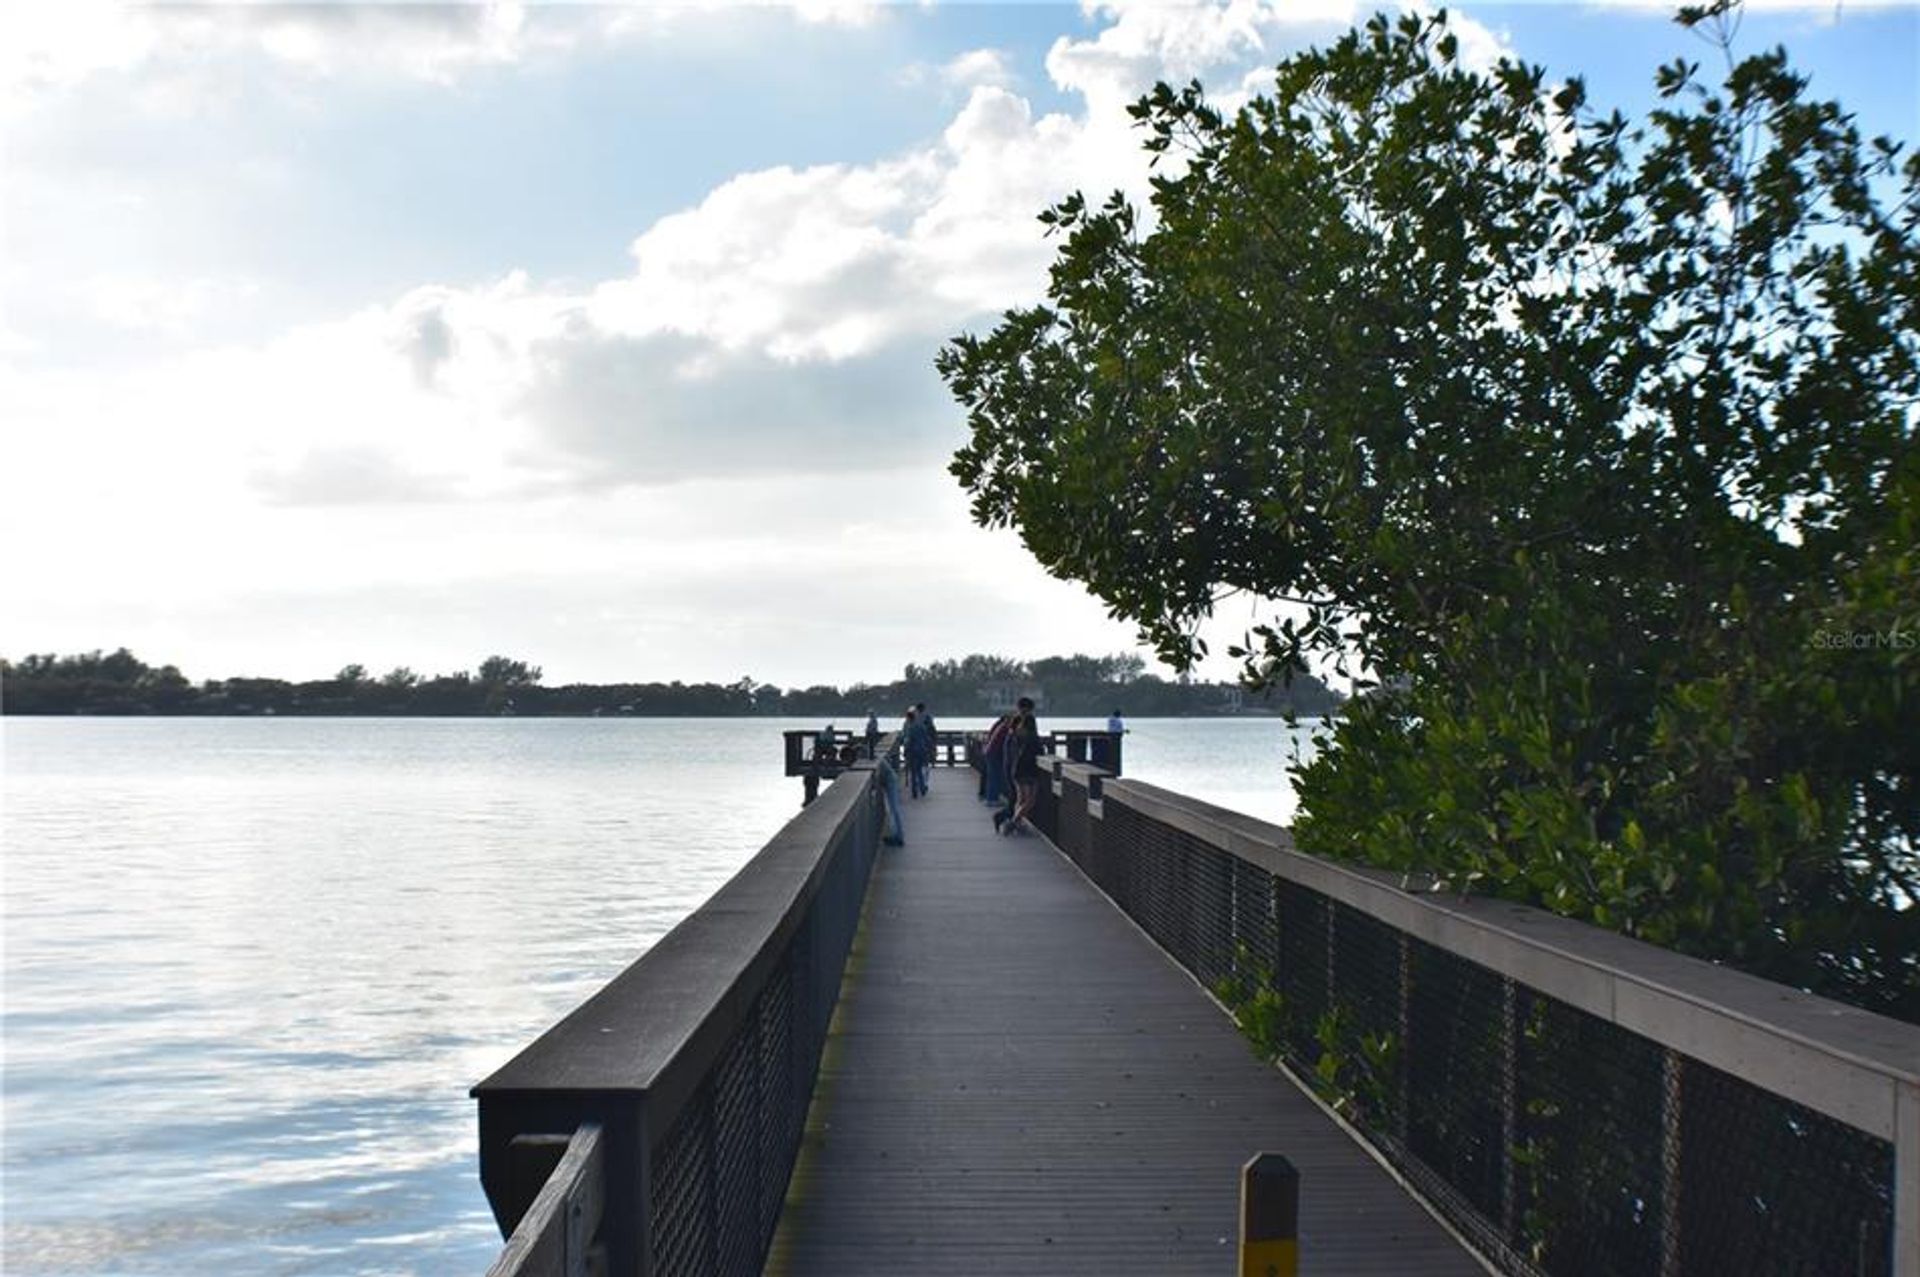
(251, 966)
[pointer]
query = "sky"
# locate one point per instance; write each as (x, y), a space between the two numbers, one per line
(599, 337)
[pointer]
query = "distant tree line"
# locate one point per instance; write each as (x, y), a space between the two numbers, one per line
(121, 683)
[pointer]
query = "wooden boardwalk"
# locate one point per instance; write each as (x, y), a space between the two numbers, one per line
(1019, 1082)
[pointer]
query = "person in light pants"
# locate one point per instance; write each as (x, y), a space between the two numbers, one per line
(896, 832)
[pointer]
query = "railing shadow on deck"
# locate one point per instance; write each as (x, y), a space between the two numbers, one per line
(1571, 1100)
(694, 1067)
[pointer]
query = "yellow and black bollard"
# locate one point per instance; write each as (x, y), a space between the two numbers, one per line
(1269, 1217)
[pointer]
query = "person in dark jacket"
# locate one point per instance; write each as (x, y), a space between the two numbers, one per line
(932, 730)
(1023, 767)
(918, 743)
(993, 761)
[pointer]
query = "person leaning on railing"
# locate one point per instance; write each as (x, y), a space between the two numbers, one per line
(896, 833)
(993, 761)
(1023, 765)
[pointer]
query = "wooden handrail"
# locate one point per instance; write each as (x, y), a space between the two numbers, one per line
(1848, 1063)
(557, 1237)
(754, 973)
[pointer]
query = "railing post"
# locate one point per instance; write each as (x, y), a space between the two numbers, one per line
(1509, 1107)
(1672, 1073)
(1269, 1217)
(635, 1247)
(530, 1163)
(1906, 1182)
(1403, 1079)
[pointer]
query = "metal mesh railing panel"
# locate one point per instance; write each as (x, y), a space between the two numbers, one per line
(679, 1205)
(718, 1177)
(782, 1115)
(1207, 928)
(1156, 885)
(1556, 1142)
(1769, 1187)
(1458, 1087)
(1364, 1026)
(1303, 976)
(1100, 862)
(1256, 922)
(1071, 822)
(1046, 807)
(736, 1159)
(1588, 1173)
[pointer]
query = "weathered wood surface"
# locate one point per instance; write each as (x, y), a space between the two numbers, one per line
(556, 1236)
(1019, 1082)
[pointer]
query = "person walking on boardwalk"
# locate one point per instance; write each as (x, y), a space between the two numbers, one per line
(919, 751)
(933, 732)
(1023, 749)
(873, 733)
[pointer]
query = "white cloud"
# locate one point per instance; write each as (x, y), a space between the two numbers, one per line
(804, 264)
(1146, 41)
(610, 410)
(48, 48)
(170, 308)
(785, 322)
(335, 476)
(839, 13)
(855, 573)
(963, 72)
(1232, 48)
(426, 42)
(17, 345)
(978, 67)
(51, 46)
(784, 325)
(1828, 9)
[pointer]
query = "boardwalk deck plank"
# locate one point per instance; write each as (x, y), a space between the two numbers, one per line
(1019, 1082)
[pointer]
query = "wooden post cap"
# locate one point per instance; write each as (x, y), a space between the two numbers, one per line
(1269, 1217)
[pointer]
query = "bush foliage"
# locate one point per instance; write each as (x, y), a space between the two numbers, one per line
(1592, 440)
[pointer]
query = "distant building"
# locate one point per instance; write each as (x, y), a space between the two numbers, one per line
(1002, 695)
